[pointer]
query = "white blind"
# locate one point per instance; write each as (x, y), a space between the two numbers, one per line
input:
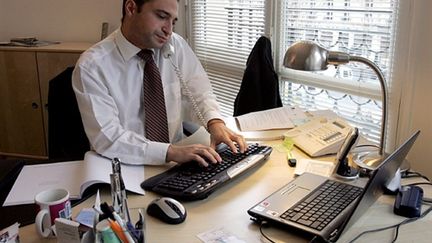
(222, 35)
(361, 28)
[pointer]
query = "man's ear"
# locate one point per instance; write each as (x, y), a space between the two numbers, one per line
(130, 7)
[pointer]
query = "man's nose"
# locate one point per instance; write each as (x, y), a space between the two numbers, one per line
(168, 28)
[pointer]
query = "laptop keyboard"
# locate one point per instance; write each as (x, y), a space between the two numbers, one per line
(190, 181)
(323, 205)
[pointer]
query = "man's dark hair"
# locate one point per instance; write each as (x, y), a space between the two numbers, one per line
(139, 3)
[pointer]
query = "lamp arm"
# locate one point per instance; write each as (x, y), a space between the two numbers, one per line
(383, 95)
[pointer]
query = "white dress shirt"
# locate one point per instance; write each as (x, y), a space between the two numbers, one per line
(108, 84)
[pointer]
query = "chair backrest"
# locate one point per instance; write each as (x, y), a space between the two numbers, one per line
(66, 137)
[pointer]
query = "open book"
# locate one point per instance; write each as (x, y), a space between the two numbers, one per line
(75, 176)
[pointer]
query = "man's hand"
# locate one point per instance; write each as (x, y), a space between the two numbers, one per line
(219, 133)
(195, 152)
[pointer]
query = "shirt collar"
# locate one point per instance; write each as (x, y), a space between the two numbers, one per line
(127, 49)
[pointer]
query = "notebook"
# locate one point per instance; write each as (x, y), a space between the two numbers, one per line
(275, 209)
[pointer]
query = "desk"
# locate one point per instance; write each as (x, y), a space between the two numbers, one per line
(227, 207)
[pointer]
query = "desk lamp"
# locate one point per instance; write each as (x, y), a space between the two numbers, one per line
(308, 56)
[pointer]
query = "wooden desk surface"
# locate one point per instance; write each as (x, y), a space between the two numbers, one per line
(227, 208)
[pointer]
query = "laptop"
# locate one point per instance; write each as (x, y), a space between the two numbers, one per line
(289, 205)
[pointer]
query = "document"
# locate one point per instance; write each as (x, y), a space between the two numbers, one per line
(200, 136)
(75, 176)
(277, 118)
(323, 168)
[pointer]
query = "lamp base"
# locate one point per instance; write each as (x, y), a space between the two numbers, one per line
(368, 159)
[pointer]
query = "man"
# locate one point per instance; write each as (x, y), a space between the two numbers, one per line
(108, 83)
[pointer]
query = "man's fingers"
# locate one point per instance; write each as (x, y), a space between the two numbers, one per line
(201, 161)
(241, 142)
(206, 154)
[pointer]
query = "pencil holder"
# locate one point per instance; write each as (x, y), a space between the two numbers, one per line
(111, 231)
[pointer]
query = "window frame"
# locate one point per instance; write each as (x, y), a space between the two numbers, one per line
(372, 91)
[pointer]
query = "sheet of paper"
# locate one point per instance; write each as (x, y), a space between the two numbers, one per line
(324, 168)
(201, 136)
(74, 176)
(219, 235)
(86, 217)
(323, 113)
(277, 118)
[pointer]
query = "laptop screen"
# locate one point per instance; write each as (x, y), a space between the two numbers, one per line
(375, 186)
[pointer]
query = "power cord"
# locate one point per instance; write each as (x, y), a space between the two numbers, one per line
(396, 226)
(263, 224)
(411, 174)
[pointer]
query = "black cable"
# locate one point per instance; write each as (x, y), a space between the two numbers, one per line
(396, 226)
(396, 233)
(262, 232)
(419, 183)
(411, 174)
(427, 200)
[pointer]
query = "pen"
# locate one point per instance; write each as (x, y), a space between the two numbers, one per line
(114, 216)
(134, 232)
(141, 225)
(115, 226)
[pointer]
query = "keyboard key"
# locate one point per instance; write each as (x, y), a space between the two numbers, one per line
(323, 205)
(190, 181)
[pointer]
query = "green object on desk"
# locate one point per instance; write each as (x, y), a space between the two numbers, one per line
(287, 146)
(288, 143)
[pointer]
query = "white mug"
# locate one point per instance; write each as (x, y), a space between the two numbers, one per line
(53, 203)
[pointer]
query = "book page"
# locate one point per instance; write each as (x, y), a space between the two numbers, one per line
(277, 118)
(37, 178)
(98, 169)
(75, 176)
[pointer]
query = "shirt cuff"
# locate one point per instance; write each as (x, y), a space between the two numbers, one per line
(157, 152)
(213, 115)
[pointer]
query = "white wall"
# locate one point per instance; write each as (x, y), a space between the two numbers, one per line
(60, 20)
(63, 20)
(416, 105)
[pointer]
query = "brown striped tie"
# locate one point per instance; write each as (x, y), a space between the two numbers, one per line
(156, 124)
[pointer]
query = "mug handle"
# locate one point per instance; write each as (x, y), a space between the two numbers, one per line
(43, 223)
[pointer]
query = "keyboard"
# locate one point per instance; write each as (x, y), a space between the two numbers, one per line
(323, 205)
(190, 181)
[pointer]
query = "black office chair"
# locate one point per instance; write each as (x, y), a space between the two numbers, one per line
(259, 89)
(66, 137)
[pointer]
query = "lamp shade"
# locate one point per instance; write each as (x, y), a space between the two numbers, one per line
(308, 56)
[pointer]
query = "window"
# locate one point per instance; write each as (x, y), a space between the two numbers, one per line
(360, 28)
(224, 32)
(222, 35)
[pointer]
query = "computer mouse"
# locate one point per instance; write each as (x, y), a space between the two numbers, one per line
(167, 210)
